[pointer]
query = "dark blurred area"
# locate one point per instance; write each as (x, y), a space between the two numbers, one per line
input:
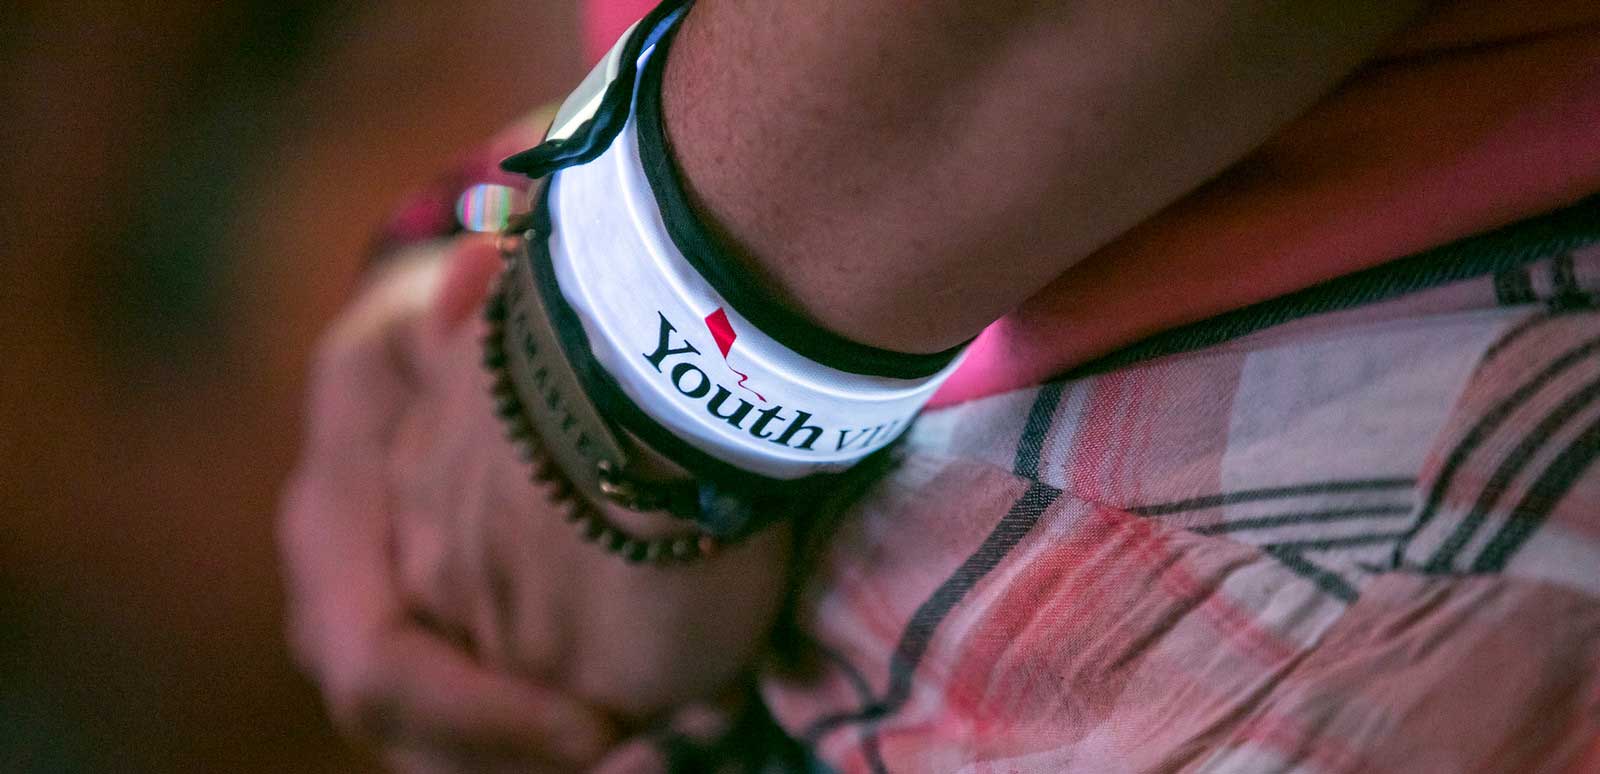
(188, 191)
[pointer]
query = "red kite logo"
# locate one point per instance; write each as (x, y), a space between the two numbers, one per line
(722, 331)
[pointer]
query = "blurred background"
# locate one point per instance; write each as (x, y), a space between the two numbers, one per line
(189, 189)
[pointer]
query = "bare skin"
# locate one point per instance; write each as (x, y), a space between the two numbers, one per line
(874, 161)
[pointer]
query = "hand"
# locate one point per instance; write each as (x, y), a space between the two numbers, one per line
(439, 599)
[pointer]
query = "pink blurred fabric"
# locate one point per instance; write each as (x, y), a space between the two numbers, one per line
(605, 20)
(1479, 114)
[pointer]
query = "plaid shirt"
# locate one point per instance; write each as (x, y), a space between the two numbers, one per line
(1353, 529)
(1361, 540)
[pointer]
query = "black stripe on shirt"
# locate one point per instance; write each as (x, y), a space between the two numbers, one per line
(1443, 559)
(1273, 493)
(1328, 581)
(1480, 431)
(1012, 528)
(1514, 287)
(1304, 517)
(1566, 293)
(1541, 499)
(1330, 544)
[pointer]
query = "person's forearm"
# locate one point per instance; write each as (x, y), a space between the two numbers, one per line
(904, 174)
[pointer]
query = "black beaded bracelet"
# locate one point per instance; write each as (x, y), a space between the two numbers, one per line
(592, 525)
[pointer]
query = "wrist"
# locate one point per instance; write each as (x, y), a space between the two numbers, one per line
(617, 305)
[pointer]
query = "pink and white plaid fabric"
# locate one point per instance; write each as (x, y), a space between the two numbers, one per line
(1363, 541)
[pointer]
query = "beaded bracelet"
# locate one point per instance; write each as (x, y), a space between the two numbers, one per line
(592, 525)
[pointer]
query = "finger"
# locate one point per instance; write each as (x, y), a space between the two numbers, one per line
(364, 366)
(381, 673)
(333, 527)
(640, 756)
(422, 689)
(332, 603)
(469, 267)
(696, 725)
(411, 759)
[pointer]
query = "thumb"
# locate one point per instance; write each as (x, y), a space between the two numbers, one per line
(422, 688)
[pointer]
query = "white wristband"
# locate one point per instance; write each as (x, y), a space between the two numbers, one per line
(684, 356)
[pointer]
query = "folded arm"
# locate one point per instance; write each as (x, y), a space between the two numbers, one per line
(904, 174)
